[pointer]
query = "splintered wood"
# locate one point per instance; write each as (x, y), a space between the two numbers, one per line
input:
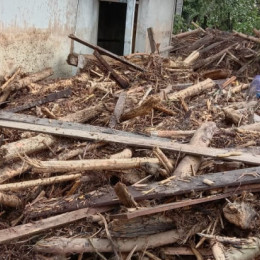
(166, 149)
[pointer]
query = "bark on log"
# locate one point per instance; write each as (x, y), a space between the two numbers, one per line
(193, 90)
(247, 37)
(240, 214)
(62, 245)
(9, 171)
(142, 110)
(141, 226)
(124, 196)
(91, 165)
(84, 115)
(190, 164)
(185, 34)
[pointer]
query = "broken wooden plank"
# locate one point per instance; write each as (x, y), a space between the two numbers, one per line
(232, 181)
(169, 206)
(50, 98)
(122, 82)
(81, 131)
(29, 229)
(151, 39)
(106, 52)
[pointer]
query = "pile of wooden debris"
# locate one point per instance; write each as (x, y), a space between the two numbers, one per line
(144, 157)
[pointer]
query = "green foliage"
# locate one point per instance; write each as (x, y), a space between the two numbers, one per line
(240, 15)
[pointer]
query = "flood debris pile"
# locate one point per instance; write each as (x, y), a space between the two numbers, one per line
(142, 157)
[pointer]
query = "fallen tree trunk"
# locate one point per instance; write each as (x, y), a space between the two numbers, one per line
(90, 165)
(192, 90)
(62, 245)
(189, 165)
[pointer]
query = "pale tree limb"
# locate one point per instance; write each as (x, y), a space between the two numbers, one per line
(10, 200)
(192, 90)
(87, 165)
(32, 183)
(190, 164)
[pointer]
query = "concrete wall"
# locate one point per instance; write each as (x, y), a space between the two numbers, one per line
(158, 15)
(33, 33)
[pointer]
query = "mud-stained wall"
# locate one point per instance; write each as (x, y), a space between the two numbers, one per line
(33, 34)
(158, 15)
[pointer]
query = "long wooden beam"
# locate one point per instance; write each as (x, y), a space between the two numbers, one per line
(106, 52)
(39, 226)
(88, 132)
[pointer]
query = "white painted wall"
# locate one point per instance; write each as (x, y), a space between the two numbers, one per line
(33, 33)
(159, 15)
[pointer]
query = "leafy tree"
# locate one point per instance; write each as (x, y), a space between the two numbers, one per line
(240, 15)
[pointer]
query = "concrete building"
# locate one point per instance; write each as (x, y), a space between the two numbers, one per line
(33, 33)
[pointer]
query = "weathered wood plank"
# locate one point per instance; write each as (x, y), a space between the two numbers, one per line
(28, 229)
(233, 181)
(88, 132)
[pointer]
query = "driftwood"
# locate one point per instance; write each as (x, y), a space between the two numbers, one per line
(210, 59)
(237, 180)
(172, 133)
(124, 196)
(134, 213)
(163, 160)
(141, 226)
(185, 34)
(90, 165)
(238, 248)
(184, 251)
(119, 109)
(189, 165)
(240, 214)
(20, 231)
(10, 200)
(233, 115)
(23, 82)
(126, 153)
(40, 142)
(247, 37)
(39, 182)
(62, 245)
(99, 133)
(193, 90)
(143, 109)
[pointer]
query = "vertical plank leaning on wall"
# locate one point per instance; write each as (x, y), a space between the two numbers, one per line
(129, 24)
(156, 14)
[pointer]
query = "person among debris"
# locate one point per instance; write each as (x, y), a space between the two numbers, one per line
(254, 90)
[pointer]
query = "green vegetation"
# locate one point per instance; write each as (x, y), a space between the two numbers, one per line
(227, 15)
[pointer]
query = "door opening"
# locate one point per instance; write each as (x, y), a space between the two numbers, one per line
(111, 26)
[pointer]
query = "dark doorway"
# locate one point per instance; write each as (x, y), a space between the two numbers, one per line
(111, 26)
